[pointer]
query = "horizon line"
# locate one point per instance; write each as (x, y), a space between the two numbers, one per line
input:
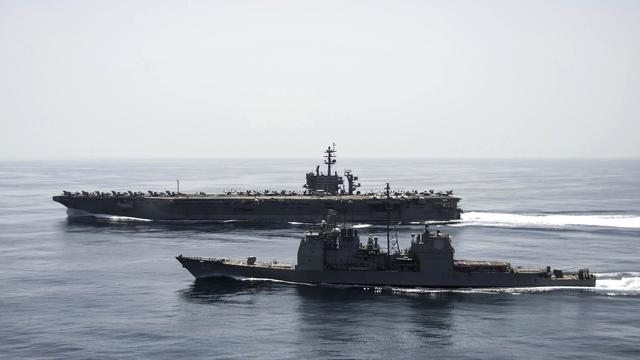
(308, 158)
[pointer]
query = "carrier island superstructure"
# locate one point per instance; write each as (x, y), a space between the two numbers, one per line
(322, 192)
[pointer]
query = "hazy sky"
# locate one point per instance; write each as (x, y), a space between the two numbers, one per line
(139, 79)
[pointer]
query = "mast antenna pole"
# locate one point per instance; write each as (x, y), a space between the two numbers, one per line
(329, 157)
(388, 221)
(178, 183)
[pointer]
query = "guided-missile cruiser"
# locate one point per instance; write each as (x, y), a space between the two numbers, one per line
(322, 191)
(335, 255)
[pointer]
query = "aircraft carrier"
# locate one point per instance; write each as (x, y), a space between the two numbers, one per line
(321, 193)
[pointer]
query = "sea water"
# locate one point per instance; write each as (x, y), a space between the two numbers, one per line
(112, 289)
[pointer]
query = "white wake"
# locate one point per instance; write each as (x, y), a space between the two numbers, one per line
(106, 218)
(76, 213)
(619, 282)
(477, 218)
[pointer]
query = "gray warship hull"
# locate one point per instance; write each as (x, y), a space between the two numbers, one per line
(202, 268)
(265, 208)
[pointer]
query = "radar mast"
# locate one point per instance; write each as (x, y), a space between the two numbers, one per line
(330, 157)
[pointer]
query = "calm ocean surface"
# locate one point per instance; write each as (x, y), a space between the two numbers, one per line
(114, 290)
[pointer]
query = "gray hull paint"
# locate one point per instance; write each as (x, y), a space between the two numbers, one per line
(267, 209)
(202, 268)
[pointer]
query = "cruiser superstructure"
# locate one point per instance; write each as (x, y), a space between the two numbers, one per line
(321, 192)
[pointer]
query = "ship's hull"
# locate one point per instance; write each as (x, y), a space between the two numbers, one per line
(202, 268)
(267, 208)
